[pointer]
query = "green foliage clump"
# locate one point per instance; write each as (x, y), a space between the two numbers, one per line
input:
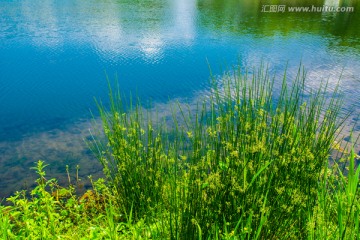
(246, 160)
(53, 212)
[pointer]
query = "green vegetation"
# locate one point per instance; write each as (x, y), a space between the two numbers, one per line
(245, 164)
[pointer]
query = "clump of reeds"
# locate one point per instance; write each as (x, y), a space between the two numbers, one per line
(246, 162)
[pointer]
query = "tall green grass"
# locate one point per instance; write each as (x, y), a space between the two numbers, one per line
(247, 162)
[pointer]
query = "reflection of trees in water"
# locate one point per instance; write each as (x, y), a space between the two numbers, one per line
(246, 17)
(346, 25)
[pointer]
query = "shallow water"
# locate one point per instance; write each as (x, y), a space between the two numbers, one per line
(55, 55)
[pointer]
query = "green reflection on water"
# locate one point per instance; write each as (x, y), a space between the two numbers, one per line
(246, 17)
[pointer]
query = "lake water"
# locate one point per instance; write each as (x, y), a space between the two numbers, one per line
(55, 55)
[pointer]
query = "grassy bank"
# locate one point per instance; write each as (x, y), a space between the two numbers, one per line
(247, 163)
